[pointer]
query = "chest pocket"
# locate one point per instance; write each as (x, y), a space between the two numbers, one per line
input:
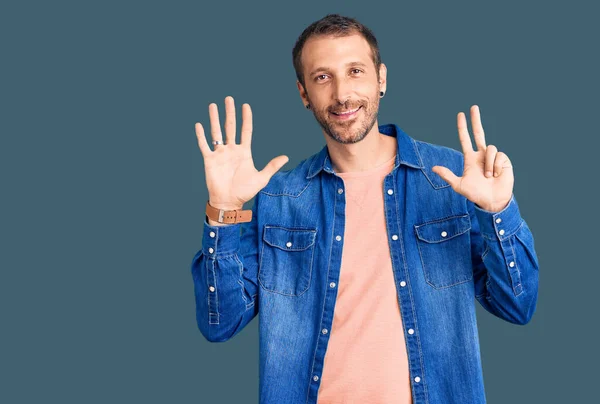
(445, 250)
(286, 259)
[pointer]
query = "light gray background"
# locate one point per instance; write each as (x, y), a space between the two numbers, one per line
(103, 185)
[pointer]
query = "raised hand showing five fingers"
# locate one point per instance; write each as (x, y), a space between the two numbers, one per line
(487, 179)
(231, 177)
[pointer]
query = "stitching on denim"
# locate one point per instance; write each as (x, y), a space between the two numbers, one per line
(216, 312)
(441, 219)
(222, 255)
(417, 152)
(425, 270)
(312, 253)
(524, 243)
(252, 302)
(422, 238)
(214, 274)
(507, 235)
(432, 184)
(312, 369)
(518, 276)
(305, 230)
(487, 274)
(412, 302)
(239, 280)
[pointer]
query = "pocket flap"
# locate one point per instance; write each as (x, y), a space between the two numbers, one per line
(443, 229)
(289, 239)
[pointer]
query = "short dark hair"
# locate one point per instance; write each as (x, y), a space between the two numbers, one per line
(337, 26)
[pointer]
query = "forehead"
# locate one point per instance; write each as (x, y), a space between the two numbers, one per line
(333, 52)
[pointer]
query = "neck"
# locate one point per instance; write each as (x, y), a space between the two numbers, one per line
(374, 150)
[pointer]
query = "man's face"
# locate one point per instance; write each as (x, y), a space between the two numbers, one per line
(340, 76)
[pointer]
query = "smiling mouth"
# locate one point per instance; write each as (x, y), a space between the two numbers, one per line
(345, 116)
(346, 113)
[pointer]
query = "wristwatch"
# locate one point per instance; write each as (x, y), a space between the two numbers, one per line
(228, 216)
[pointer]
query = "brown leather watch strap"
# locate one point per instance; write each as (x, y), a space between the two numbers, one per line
(228, 216)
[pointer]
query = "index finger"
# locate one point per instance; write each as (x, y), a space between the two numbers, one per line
(463, 133)
(477, 128)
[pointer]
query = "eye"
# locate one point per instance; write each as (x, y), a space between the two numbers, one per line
(320, 75)
(358, 70)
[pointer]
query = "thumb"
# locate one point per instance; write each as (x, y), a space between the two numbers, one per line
(273, 166)
(446, 175)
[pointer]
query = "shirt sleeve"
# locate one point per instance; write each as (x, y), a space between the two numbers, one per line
(505, 264)
(224, 272)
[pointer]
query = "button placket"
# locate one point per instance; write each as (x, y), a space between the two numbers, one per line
(498, 220)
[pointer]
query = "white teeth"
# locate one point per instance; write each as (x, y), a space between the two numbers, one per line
(347, 113)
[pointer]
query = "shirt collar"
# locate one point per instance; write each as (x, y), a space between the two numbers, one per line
(406, 153)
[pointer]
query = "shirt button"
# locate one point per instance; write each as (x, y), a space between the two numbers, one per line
(417, 379)
(512, 264)
(411, 331)
(444, 234)
(501, 232)
(390, 191)
(338, 238)
(210, 250)
(289, 244)
(212, 234)
(395, 237)
(324, 331)
(340, 190)
(332, 285)
(212, 288)
(498, 220)
(315, 378)
(403, 284)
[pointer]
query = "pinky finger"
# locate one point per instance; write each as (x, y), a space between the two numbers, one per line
(202, 143)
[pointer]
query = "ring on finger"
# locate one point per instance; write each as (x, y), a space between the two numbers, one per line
(215, 142)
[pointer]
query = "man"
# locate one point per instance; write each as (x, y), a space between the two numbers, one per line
(366, 259)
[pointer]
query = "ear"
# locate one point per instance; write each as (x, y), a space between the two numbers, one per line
(302, 93)
(383, 77)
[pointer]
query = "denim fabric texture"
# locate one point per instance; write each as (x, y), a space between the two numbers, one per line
(446, 254)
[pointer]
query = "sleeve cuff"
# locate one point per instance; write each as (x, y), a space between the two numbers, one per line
(220, 240)
(501, 224)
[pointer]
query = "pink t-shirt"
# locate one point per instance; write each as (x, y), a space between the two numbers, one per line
(366, 360)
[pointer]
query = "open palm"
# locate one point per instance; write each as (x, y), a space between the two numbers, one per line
(231, 177)
(487, 179)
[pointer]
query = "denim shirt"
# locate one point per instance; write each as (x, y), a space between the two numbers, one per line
(446, 253)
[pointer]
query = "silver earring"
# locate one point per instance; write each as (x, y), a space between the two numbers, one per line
(381, 94)
(307, 106)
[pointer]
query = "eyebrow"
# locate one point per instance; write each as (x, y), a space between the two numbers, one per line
(347, 64)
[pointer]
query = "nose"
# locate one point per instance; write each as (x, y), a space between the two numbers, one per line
(343, 90)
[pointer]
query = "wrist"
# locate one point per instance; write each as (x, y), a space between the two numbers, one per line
(227, 213)
(215, 223)
(226, 206)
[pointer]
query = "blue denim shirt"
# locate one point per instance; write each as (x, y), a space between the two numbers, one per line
(446, 253)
